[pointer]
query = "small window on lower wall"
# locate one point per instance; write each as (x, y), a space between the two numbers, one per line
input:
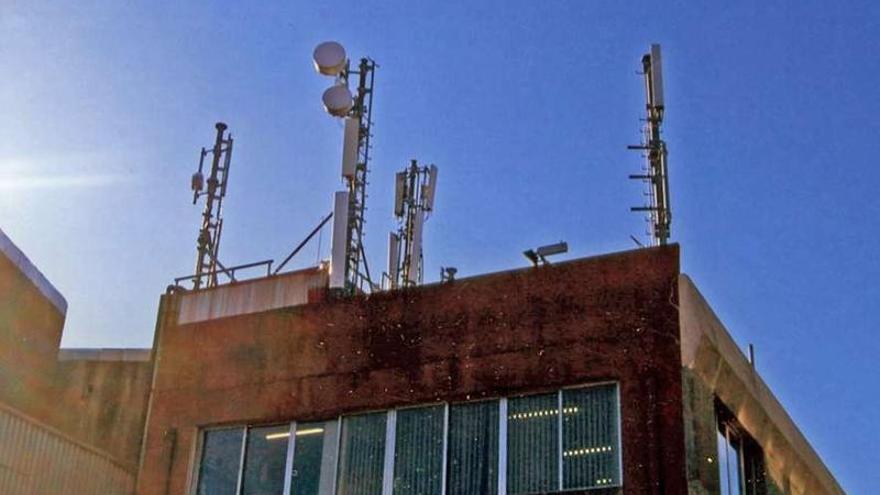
(418, 451)
(362, 455)
(264, 460)
(590, 456)
(472, 466)
(533, 444)
(220, 462)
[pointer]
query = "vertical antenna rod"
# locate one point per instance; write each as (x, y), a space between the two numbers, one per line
(208, 241)
(656, 176)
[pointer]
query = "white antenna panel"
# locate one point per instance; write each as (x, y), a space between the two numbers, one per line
(393, 258)
(337, 100)
(656, 76)
(329, 58)
(350, 147)
(415, 257)
(429, 188)
(338, 257)
(399, 193)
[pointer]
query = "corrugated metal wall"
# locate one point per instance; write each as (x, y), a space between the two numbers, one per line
(36, 461)
(251, 296)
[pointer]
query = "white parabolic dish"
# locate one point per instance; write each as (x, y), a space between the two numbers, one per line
(337, 100)
(329, 58)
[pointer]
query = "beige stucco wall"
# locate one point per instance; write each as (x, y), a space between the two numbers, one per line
(713, 365)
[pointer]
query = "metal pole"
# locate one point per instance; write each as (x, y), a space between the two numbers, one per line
(206, 241)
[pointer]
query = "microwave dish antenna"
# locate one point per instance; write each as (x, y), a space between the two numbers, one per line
(330, 58)
(337, 101)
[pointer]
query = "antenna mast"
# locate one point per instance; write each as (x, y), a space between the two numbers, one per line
(656, 174)
(208, 241)
(413, 201)
(362, 111)
(357, 110)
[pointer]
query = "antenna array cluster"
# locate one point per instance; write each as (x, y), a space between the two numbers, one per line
(349, 270)
(413, 202)
(655, 173)
(414, 191)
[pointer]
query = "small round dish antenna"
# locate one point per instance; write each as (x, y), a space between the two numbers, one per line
(329, 58)
(337, 100)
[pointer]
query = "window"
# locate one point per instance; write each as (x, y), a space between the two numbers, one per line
(418, 451)
(533, 444)
(740, 458)
(472, 466)
(564, 440)
(589, 437)
(264, 460)
(362, 455)
(314, 458)
(221, 457)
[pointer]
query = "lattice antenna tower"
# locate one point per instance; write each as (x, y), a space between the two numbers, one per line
(208, 241)
(413, 202)
(348, 266)
(655, 174)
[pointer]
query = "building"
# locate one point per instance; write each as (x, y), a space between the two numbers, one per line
(608, 374)
(71, 421)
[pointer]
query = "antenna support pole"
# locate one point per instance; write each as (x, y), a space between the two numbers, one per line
(208, 241)
(657, 177)
(357, 183)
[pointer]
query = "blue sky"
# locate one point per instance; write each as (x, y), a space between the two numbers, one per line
(526, 107)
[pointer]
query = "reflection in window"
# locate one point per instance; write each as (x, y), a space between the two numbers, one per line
(362, 455)
(473, 449)
(264, 460)
(533, 444)
(308, 453)
(418, 451)
(589, 437)
(729, 466)
(221, 455)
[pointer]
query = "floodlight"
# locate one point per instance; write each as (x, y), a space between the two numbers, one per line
(551, 249)
(539, 255)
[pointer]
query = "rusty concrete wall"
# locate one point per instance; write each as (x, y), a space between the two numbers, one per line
(717, 367)
(612, 317)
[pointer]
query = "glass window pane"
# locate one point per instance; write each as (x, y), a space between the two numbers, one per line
(730, 468)
(308, 453)
(264, 460)
(362, 455)
(533, 444)
(724, 480)
(734, 468)
(221, 455)
(590, 437)
(418, 451)
(473, 449)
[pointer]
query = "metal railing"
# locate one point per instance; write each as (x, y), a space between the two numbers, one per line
(229, 272)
